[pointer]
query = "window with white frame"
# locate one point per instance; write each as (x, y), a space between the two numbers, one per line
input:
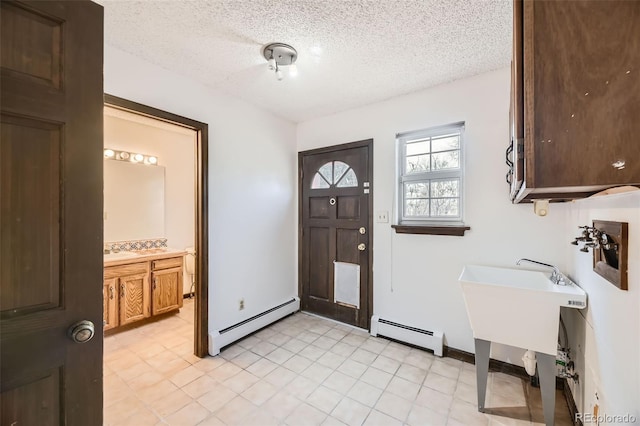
(430, 176)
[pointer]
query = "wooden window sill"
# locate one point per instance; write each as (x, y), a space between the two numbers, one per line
(457, 231)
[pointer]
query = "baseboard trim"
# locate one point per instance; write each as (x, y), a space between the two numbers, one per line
(497, 366)
(571, 403)
(494, 365)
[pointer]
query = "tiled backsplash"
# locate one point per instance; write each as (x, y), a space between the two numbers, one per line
(136, 244)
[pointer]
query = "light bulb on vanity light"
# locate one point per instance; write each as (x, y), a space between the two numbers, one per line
(132, 157)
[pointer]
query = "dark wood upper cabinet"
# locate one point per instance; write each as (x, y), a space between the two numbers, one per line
(575, 98)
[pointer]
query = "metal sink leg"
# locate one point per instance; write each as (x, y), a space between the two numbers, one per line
(483, 349)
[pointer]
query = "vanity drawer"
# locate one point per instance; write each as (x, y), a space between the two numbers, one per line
(125, 270)
(172, 262)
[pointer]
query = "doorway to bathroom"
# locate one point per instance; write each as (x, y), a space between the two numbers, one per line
(155, 228)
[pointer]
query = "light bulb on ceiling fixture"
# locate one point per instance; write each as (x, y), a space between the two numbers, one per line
(272, 63)
(278, 73)
(293, 69)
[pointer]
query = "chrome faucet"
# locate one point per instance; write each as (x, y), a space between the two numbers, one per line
(556, 275)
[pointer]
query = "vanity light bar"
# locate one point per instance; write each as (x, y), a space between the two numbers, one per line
(132, 157)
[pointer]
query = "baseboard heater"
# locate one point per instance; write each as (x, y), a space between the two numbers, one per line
(404, 333)
(218, 339)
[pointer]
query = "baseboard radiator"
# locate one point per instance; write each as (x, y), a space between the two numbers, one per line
(404, 333)
(218, 339)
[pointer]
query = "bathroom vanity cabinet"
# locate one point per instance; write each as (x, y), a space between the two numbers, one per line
(575, 98)
(110, 303)
(126, 294)
(167, 285)
(141, 287)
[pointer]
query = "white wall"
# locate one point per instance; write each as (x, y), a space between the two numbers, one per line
(175, 148)
(605, 337)
(251, 185)
(415, 276)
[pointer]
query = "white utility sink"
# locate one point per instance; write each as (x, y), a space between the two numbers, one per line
(119, 255)
(517, 307)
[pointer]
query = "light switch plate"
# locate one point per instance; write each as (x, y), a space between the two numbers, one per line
(382, 217)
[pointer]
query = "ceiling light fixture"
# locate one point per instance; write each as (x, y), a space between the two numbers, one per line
(280, 55)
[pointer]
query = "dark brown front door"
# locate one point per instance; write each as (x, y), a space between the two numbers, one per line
(51, 212)
(335, 212)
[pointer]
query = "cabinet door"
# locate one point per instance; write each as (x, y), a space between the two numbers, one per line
(110, 303)
(134, 298)
(167, 290)
(584, 79)
(517, 103)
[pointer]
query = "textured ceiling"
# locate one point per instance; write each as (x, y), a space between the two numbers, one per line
(350, 52)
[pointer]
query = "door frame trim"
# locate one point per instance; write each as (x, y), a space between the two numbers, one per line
(368, 143)
(201, 322)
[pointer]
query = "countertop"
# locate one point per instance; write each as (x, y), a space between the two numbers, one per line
(126, 257)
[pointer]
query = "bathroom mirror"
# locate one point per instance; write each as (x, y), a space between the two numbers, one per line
(133, 201)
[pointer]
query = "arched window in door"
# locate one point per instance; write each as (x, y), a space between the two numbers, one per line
(334, 174)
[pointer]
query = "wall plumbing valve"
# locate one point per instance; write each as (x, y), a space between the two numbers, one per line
(593, 238)
(569, 373)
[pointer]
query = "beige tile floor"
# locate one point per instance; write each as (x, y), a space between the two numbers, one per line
(302, 370)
